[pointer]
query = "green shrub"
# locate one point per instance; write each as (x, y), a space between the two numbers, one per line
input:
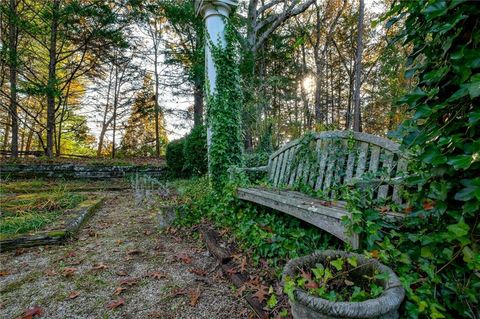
(262, 232)
(435, 250)
(195, 152)
(175, 157)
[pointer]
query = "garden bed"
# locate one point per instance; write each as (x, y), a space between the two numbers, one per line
(43, 218)
(49, 185)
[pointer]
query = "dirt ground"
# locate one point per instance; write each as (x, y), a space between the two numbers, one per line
(119, 266)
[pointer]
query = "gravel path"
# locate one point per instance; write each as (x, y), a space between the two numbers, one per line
(120, 266)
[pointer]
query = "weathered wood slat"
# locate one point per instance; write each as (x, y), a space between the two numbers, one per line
(374, 158)
(331, 161)
(362, 160)
(350, 164)
(272, 169)
(386, 171)
(286, 162)
(397, 189)
(339, 170)
(278, 169)
(299, 174)
(293, 169)
(306, 171)
(322, 165)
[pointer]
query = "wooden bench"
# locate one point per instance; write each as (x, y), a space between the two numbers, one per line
(339, 158)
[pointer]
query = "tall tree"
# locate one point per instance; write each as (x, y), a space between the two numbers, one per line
(12, 46)
(357, 120)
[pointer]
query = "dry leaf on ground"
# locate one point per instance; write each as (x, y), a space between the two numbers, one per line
(30, 313)
(73, 295)
(115, 303)
(119, 290)
(194, 296)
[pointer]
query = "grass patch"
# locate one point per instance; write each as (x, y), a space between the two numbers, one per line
(30, 212)
(47, 185)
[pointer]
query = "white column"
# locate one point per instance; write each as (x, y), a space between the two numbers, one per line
(214, 13)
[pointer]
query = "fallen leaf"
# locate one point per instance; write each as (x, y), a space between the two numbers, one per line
(70, 254)
(194, 296)
(178, 292)
(243, 264)
(69, 271)
(262, 293)
(3, 273)
(375, 254)
(306, 275)
(198, 272)
(75, 262)
(184, 258)
(51, 272)
(119, 290)
(121, 273)
(268, 229)
(157, 275)
(311, 285)
(428, 205)
(148, 232)
(31, 312)
(241, 290)
(99, 266)
(129, 282)
(115, 303)
(232, 271)
(73, 295)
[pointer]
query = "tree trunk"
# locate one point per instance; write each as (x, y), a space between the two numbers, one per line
(12, 39)
(28, 146)
(104, 122)
(7, 133)
(52, 79)
(155, 34)
(357, 125)
(115, 105)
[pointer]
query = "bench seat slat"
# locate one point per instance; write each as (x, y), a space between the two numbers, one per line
(326, 218)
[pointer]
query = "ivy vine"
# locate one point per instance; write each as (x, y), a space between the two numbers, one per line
(224, 109)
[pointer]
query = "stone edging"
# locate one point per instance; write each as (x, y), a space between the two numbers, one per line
(76, 171)
(55, 236)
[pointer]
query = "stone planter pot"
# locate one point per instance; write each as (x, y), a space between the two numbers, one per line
(307, 306)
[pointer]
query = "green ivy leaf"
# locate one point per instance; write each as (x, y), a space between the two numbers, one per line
(337, 263)
(352, 261)
(435, 10)
(460, 229)
(426, 252)
(289, 288)
(272, 301)
(461, 161)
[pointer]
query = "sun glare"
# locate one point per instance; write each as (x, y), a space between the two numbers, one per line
(308, 83)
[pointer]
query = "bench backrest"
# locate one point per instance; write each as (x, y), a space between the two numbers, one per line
(328, 159)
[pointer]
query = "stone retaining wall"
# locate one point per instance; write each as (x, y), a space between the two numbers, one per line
(76, 171)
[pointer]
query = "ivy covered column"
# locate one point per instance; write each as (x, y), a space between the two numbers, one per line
(224, 98)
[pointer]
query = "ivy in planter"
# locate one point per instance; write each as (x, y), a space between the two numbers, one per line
(337, 280)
